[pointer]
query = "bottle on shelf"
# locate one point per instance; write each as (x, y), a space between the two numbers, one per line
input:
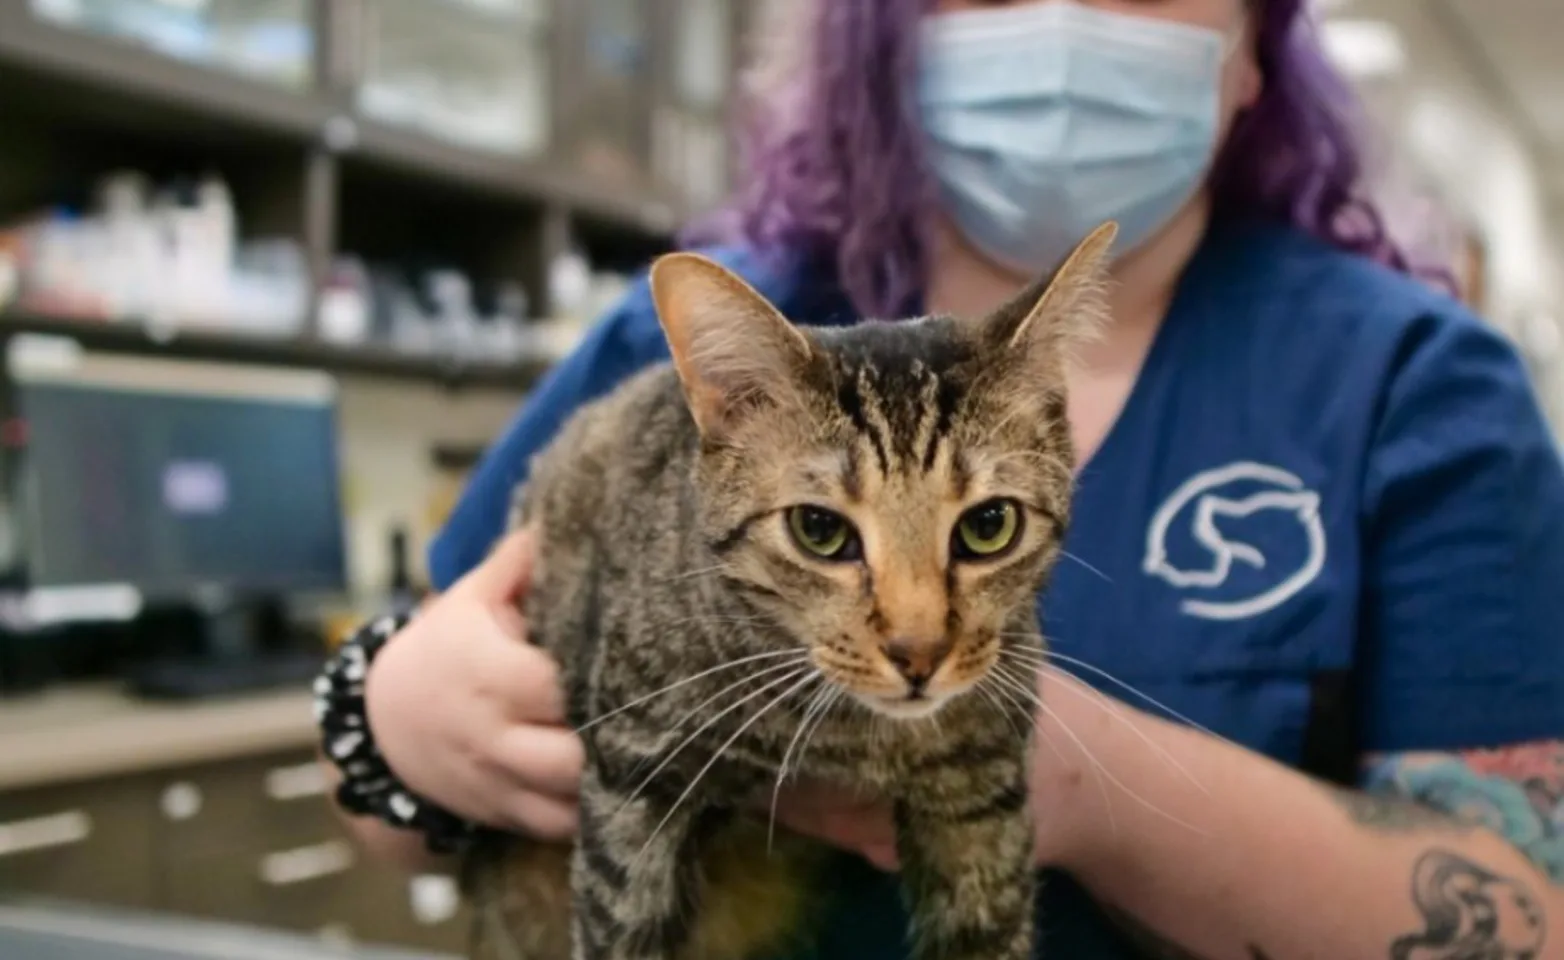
(402, 595)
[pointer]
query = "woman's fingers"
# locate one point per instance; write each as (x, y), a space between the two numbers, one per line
(882, 857)
(468, 714)
(855, 823)
(506, 573)
(526, 686)
(545, 818)
(546, 760)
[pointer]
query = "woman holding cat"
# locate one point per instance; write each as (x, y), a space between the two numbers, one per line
(1318, 512)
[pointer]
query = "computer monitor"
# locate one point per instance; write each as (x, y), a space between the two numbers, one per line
(176, 482)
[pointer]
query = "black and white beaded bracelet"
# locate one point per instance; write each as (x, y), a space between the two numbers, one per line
(369, 788)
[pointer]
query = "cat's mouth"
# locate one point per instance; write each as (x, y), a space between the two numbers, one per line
(914, 705)
(912, 702)
(899, 691)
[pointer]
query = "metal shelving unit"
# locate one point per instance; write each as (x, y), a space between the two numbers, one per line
(210, 345)
(318, 164)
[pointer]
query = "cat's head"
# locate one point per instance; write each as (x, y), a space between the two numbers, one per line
(893, 494)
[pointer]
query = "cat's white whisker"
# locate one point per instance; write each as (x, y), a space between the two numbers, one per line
(1070, 556)
(999, 706)
(717, 618)
(817, 702)
(1109, 774)
(704, 619)
(1029, 695)
(692, 574)
(668, 757)
(799, 655)
(1002, 697)
(813, 677)
(692, 713)
(1097, 671)
(1052, 744)
(1003, 692)
(830, 704)
(1023, 674)
(1118, 713)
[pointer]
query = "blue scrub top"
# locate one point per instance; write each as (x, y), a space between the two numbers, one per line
(1323, 467)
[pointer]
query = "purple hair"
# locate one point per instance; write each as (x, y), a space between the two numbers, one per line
(831, 151)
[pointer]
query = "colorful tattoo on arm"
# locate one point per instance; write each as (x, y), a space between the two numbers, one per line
(1517, 792)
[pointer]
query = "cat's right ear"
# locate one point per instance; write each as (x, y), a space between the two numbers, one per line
(733, 350)
(1048, 319)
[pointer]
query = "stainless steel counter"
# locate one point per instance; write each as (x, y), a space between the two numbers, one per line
(51, 931)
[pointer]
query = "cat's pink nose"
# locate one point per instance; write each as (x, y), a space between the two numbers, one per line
(916, 658)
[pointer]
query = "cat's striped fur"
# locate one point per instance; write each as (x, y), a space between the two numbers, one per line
(703, 646)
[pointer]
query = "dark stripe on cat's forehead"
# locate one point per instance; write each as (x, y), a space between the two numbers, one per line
(947, 397)
(852, 404)
(888, 374)
(960, 474)
(852, 476)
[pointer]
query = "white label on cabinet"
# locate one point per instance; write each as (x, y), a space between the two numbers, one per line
(181, 801)
(44, 833)
(297, 782)
(303, 864)
(434, 899)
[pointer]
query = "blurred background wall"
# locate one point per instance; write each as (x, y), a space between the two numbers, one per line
(428, 202)
(1466, 99)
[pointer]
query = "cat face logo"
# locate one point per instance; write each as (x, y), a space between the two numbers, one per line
(1213, 501)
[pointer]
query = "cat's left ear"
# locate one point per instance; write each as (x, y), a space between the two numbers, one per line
(734, 351)
(1060, 310)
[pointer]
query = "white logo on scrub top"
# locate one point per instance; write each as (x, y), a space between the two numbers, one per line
(1279, 491)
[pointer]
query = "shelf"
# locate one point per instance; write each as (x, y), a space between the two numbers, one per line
(199, 344)
(125, 72)
(512, 178)
(90, 76)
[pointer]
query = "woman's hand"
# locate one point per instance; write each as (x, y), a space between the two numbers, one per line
(469, 715)
(858, 825)
(1067, 823)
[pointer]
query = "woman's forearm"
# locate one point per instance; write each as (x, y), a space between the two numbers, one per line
(1227, 855)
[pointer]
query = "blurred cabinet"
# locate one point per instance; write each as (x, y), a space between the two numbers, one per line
(691, 154)
(371, 138)
(268, 40)
(250, 841)
(628, 96)
(77, 842)
(474, 72)
(605, 79)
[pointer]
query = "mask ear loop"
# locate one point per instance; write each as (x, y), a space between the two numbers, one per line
(1234, 38)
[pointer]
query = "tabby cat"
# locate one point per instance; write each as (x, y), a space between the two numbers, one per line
(796, 551)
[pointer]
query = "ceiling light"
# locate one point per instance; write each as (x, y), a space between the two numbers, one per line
(1364, 48)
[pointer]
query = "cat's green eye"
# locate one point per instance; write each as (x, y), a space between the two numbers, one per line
(986, 530)
(823, 533)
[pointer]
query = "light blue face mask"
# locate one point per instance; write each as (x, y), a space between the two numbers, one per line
(1046, 119)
